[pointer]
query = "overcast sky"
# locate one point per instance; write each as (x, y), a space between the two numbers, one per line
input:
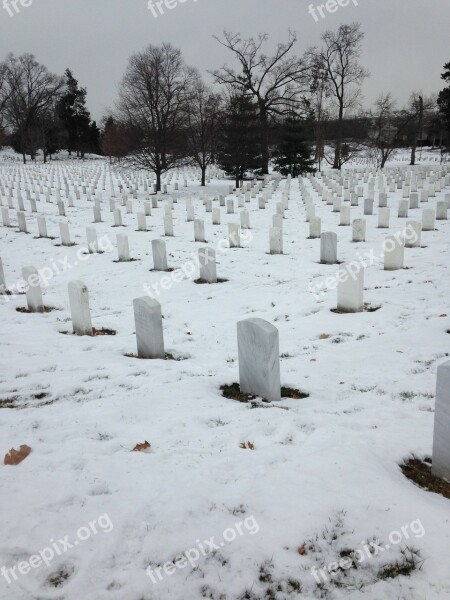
(407, 41)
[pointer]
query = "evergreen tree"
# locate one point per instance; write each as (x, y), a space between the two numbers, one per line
(293, 155)
(444, 101)
(114, 142)
(239, 144)
(74, 115)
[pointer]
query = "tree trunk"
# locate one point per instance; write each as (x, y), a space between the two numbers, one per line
(158, 181)
(337, 153)
(24, 158)
(203, 176)
(264, 123)
(418, 132)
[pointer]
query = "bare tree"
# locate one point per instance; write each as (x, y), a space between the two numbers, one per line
(3, 93)
(419, 106)
(319, 97)
(202, 125)
(31, 92)
(153, 104)
(275, 82)
(388, 128)
(338, 58)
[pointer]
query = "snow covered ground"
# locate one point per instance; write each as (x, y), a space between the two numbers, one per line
(325, 466)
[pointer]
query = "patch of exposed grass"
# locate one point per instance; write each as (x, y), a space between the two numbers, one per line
(419, 471)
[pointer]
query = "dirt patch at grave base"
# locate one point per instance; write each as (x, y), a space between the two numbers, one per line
(203, 281)
(419, 471)
(171, 270)
(27, 311)
(233, 392)
(168, 356)
(126, 261)
(367, 308)
(104, 331)
(95, 332)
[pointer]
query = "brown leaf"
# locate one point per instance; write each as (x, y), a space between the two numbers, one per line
(247, 446)
(324, 336)
(313, 360)
(302, 550)
(444, 315)
(14, 457)
(140, 447)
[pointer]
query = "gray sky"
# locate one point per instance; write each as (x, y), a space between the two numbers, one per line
(406, 44)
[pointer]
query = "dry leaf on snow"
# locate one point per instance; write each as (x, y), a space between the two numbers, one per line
(141, 447)
(14, 457)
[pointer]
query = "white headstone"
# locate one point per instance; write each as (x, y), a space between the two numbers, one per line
(441, 436)
(42, 226)
(414, 200)
(428, 218)
(92, 241)
(368, 206)
(441, 210)
(117, 217)
(207, 262)
(79, 308)
(350, 288)
(33, 291)
(5, 217)
(65, 234)
(394, 252)
(149, 330)
(359, 230)
(168, 225)
(142, 221)
(123, 248)
(159, 255)
(315, 226)
(259, 358)
(413, 234)
(383, 217)
(199, 230)
(234, 235)
(245, 219)
(328, 248)
(276, 240)
(403, 207)
(2, 279)
(216, 216)
(345, 216)
(22, 222)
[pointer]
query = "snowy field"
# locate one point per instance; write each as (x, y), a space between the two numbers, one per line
(324, 468)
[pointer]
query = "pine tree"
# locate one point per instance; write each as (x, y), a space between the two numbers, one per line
(444, 101)
(74, 115)
(114, 142)
(239, 148)
(293, 155)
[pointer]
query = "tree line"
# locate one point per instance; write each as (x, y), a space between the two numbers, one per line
(267, 108)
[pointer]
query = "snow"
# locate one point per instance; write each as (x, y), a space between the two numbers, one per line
(371, 403)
